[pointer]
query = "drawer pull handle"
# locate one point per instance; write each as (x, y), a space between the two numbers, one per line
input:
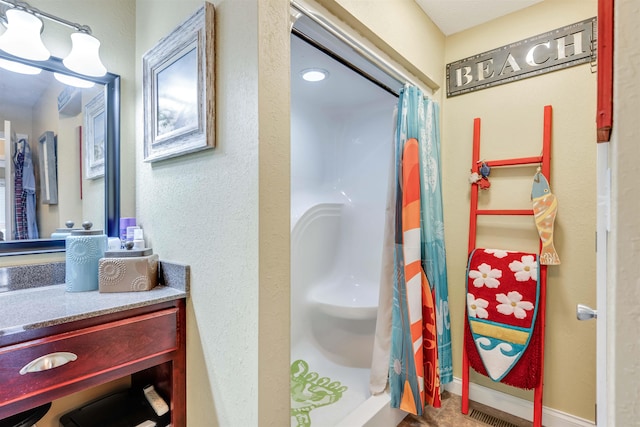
(48, 361)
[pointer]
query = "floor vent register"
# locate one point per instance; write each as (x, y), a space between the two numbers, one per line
(490, 419)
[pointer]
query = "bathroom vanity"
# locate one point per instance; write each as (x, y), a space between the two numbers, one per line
(54, 343)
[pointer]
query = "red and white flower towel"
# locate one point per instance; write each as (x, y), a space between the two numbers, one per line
(502, 300)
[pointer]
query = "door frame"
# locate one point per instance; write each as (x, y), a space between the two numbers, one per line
(602, 236)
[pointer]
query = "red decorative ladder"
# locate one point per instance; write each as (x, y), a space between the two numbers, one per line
(545, 162)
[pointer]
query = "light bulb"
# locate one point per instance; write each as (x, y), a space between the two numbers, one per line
(84, 57)
(22, 38)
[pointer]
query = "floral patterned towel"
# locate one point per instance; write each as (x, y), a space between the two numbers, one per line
(502, 304)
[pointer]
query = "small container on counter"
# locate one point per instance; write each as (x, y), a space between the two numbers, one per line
(84, 248)
(62, 233)
(128, 270)
(124, 224)
(114, 244)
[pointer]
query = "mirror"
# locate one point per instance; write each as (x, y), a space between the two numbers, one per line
(80, 128)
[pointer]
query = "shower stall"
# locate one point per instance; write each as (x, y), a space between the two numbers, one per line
(341, 150)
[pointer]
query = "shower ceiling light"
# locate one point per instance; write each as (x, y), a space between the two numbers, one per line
(314, 74)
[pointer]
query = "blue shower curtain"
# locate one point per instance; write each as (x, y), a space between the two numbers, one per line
(433, 250)
(418, 118)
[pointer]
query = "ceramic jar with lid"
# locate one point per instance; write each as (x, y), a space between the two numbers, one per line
(62, 233)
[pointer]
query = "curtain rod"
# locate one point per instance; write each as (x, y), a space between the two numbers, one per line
(343, 61)
(358, 47)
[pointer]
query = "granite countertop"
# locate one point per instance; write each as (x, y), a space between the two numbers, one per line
(39, 306)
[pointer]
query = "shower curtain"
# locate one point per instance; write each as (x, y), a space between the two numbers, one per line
(413, 341)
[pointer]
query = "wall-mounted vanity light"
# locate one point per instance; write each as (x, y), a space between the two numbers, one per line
(22, 39)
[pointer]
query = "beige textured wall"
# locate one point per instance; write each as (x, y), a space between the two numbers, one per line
(511, 117)
(45, 118)
(401, 30)
(274, 212)
(225, 212)
(19, 119)
(69, 206)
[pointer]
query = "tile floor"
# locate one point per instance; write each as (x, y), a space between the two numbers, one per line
(449, 416)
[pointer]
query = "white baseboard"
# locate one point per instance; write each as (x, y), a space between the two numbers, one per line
(515, 406)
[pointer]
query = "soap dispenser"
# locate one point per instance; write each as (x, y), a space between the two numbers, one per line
(84, 248)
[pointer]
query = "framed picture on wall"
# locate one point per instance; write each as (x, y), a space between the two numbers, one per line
(179, 89)
(95, 128)
(48, 168)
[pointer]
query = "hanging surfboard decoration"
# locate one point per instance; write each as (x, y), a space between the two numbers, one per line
(502, 304)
